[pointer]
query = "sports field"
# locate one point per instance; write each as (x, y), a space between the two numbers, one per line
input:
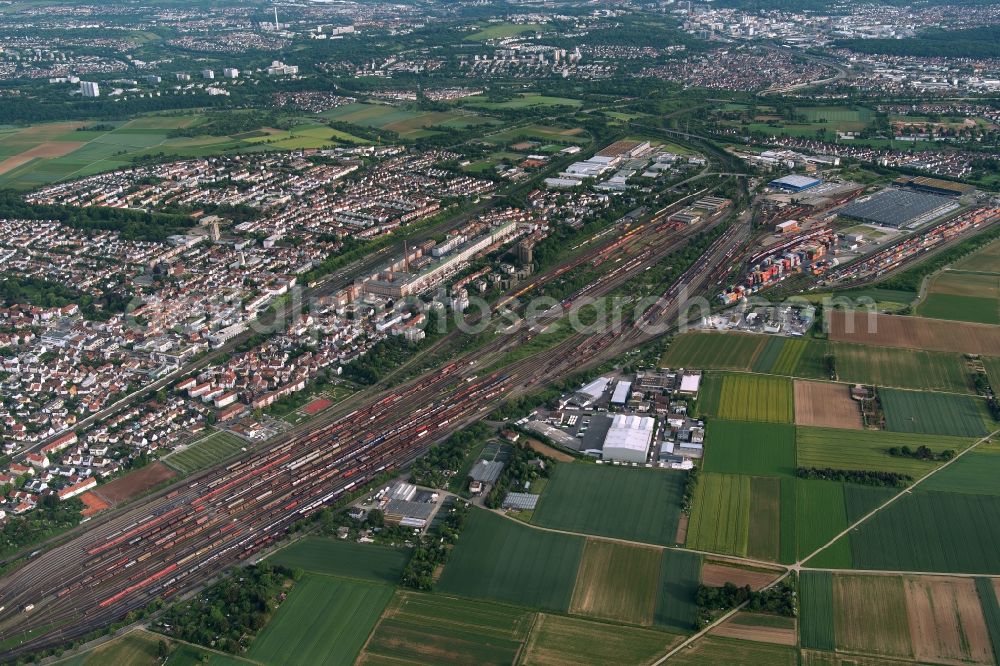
(324, 620)
(205, 452)
(705, 350)
(720, 514)
(348, 559)
(868, 449)
(623, 502)
(424, 628)
(614, 582)
(756, 398)
(568, 641)
(932, 413)
(738, 447)
(497, 558)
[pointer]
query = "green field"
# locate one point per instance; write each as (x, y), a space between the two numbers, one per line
(780, 356)
(870, 615)
(820, 513)
(991, 612)
(543, 133)
(960, 308)
(714, 351)
(720, 650)
(623, 502)
(424, 628)
(614, 582)
(324, 620)
(816, 628)
(497, 558)
(349, 559)
(205, 452)
(501, 30)
(409, 124)
(720, 514)
(756, 398)
(932, 413)
(765, 518)
(975, 473)
(558, 641)
(737, 447)
(524, 101)
(675, 600)
(931, 531)
(868, 449)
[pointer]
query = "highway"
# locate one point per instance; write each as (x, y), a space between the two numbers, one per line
(174, 541)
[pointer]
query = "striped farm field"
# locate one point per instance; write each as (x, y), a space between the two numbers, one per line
(419, 628)
(764, 541)
(947, 623)
(987, 593)
(720, 650)
(676, 606)
(720, 514)
(756, 398)
(932, 413)
(870, 615)
(500, 559)
(816, 628)
(868, 449)
(324, 620)
(614, 582)
(914, 333)
(975, 473)
(826, 404)
(344, 558)
(708, 350)
(902, 368)
(780, 356)
(569, 641)
(820, 513)
(750, 448)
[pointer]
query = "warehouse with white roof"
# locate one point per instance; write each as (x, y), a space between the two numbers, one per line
(628, 438)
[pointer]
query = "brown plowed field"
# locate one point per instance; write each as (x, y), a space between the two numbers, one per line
(826, 404)
(745, 626)
(946, 621)
(717, 574)
(48, 149)
(134, 483)
(914, 333)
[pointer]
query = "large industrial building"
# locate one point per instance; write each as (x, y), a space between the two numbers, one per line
(934, 185)
(629, 438)
(899, 208)
(795, 183)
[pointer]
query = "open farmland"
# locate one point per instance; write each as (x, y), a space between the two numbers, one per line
(675, 600)
(408, 124)
(914, 333)
(826, 404)
(946, 621)
(714, 351)
(719, 572)
(135, 483)
(963, 296)
(720, 514)
(932, 413)
(499, 559)
(424, 628)
(324, 620)
(931, 531)
(756, 398)
(614, 582)
(903, 368)
(567, 641)
(765, 518)
(986, 260)
(987, 593)
(344, 558)
(820, 513)
(205, 452)
(750, 448)
(870, 615)
(780, 356)
(816, 629)
(974, 473)
(869, 449)
(721, 650)
(758, 627)
(622, 502)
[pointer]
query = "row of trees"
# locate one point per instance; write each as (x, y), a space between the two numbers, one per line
(922, 452)
(781, 599)
(860, 476)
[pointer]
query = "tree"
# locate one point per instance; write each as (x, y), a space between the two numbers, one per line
(162, 649)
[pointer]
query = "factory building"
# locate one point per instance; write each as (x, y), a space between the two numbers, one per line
(629, 438)
(90, 89)
(795, 183)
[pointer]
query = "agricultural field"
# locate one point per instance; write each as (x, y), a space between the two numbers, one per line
(523, 101)
(567, 641)
(816, 628)
(622, 502)
(931, 531)
(720, 514)
(963, 296)
(765, 518)
(565, 136)
(137, 648)
(733, 652)
(987, 593)
(363, 561)
(826, 404)
(914, 333)
(719, 572)
(975, 473)
(423, 628)
(321, 612)
(499, 559)
(946, 621)
(820, 513)
(902, 368)
(870, 615)
(205, 452)
(986, 260)
(756, 398)
(868, 449)
(703, 350)
(406, 123)
(614, 582)
(760, 628)
(780, 355)
(675, 599)
(932, 413)
(749, 448)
